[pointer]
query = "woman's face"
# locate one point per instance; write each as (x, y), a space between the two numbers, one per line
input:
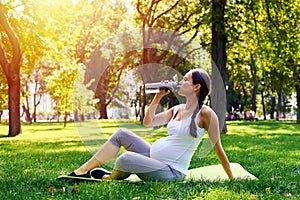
(186, 86)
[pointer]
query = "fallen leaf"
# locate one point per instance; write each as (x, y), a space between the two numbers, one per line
(235, 188)
(51, 189)
(62, 190)
(75, 189)
(287, 194)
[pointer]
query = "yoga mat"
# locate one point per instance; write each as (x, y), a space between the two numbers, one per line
(207, 173)
(216, 172)
(212, 173)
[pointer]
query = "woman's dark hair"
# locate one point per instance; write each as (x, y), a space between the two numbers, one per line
(201, 77)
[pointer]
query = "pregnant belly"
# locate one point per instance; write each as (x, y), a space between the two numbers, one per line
(166, 150)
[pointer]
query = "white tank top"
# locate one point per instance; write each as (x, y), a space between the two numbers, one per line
(179, 146)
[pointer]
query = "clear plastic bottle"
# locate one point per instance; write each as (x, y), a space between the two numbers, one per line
(151, 88)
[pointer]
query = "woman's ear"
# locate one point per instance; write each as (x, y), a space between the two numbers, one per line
(197, 87)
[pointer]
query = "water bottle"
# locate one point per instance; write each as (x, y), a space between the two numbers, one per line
(165, 86)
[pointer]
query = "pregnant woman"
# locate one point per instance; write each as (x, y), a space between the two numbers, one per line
(169, 157)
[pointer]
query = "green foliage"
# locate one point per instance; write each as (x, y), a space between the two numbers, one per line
(32, 161)
(83, 98)
(62, 93)
(263, 47)
(262, 40)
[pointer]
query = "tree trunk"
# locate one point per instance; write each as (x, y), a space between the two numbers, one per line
(103, 109)
(218, 51)
(65, 119)
(273, 102)
(278, 107)
(58, 115)
(298, 102)
(25, 106)
(34, 114)
(14, 106)
(11, 70)
(27, 114)
(76, 116)
(254, 92)
(143, 106)
(34, 105)
(284, 104)
(263, 104)
(245, 97)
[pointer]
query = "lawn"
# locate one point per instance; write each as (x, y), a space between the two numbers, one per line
(31, 162)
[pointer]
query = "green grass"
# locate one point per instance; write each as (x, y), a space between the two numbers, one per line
(30, 163)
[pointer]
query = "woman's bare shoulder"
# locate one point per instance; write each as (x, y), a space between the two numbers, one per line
(205, 116)
(206, 111)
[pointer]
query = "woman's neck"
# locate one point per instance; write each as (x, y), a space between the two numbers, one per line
(191, 103)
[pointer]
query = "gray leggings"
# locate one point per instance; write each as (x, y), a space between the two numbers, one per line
(137, 160)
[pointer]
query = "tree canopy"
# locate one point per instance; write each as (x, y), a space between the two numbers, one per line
(59, 39)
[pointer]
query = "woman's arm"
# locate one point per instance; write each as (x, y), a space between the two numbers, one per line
(223, 159)
(152, 119)
(209, 120)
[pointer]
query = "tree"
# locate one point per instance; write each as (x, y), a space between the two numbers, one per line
(61, 87)
(285, 42)
(11, 63)
(83, 98)
(262, 49)
(31, 15)
(218, 51)
(36, 43)
(95, 49)
(163, 27)
(243, 33)
(70, 32)
(107, 88)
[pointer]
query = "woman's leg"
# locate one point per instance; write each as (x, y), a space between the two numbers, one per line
(106, 152)
(116, 175)
(146, 168)
(110, 148)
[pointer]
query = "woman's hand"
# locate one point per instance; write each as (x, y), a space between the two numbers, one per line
(153, 119)
(162, 94)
